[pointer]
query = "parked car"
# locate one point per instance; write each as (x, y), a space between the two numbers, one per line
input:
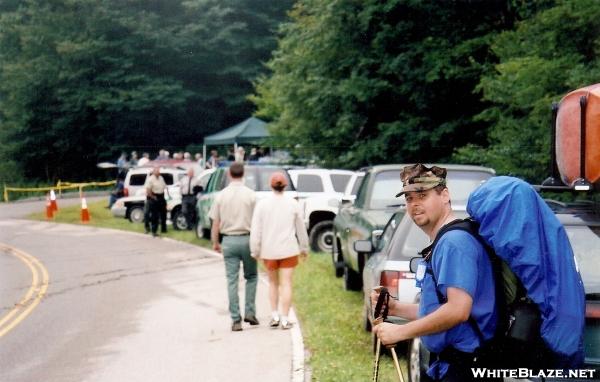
(376, 202)
(255, 177)
(320, 191)
(132, 207)
(136, 178)
(175, 214)
(389, 265)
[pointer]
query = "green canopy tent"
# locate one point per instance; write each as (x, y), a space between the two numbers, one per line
(252, 130)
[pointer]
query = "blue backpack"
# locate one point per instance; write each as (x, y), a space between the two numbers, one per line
(524, 233)
(539, 292)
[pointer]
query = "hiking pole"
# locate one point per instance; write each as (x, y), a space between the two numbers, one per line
(396, 364)
(380, 314)
(378, 319)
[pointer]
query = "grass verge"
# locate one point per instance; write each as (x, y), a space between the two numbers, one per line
(331, 318)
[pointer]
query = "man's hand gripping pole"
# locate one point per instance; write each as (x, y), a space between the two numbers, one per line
(380, 313)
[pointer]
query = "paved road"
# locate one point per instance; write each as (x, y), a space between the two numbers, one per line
(124, 307)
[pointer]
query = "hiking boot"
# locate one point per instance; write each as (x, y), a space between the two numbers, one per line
(286, 325)
(252, 320)
(274, 323)
(236, 326)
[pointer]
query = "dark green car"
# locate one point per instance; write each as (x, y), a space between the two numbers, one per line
(374, 205)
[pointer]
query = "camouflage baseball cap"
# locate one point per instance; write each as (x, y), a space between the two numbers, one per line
(419, 177)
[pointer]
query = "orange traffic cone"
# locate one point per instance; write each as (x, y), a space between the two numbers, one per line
(49, 211)
(53, 201)
(85, 214)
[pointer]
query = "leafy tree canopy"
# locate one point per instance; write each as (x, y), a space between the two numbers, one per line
(363, 82)
(543, 58)
(82, 79)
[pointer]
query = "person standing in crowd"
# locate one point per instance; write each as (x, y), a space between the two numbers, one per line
(188, 198)
(231, 155)
(278, 237)
(213, 161)
(457, 312)
(240, 154)
(133, 160)
(253, 157)
(198, 158)
(122, 164)
(231, 215)
(155, 193)
(144, 159)
(119, 190)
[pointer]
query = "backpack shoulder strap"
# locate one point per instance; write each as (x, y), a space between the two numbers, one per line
(469, 225)
(472, 227)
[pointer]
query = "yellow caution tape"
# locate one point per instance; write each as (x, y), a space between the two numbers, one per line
(59, 187)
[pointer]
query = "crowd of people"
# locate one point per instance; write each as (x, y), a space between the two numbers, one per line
(214, 159)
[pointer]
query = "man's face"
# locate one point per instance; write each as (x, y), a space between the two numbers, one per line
(426, 208)
(156, 171)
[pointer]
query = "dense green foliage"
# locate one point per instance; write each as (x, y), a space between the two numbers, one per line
(363, 82)
(81, 80)
(553, 52)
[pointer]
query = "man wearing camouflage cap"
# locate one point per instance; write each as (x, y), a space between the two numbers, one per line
(456, 315)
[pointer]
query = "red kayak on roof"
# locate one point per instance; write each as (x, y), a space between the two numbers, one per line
(568, 135)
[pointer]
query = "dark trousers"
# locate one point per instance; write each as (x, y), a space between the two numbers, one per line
(147, 215)
(188, 208)
(158, 209)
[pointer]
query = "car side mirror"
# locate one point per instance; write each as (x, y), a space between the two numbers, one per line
(376, 236)
(363, 246)
(347, 201)
(414, 264)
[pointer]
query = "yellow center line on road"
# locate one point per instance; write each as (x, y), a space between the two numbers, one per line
(34, 295)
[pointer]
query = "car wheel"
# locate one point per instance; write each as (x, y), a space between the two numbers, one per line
(321, 236)
(418, 359)
(178, 220)
(136, 214)
(337, 259)
(352, 279)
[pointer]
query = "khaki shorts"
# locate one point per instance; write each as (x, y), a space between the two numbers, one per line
(288, 262)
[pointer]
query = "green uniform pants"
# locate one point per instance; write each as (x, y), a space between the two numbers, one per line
(236, 249)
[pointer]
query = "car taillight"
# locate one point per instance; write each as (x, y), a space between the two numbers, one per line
(390, 279)
(592, 310)
(125, 192)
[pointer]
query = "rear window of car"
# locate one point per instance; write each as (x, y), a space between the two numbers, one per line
(309, 183)
(257, 178)
(137, 180)
(357, 184)
(339, 181)
(385, 187)
(462, 183)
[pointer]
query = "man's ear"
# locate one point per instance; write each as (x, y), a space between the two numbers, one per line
(446, 195)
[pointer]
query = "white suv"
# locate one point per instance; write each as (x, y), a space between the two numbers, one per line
(136, 178)
(320, 192)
